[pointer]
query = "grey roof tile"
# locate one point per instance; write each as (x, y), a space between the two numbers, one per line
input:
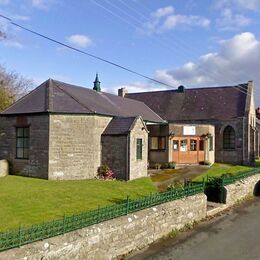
(119, 126)
(59, 97)
(214, 103)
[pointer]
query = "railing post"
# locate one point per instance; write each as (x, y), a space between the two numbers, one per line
(98, 215)
(64, 218)
(127, 205)
(222, 189)
(20, 236)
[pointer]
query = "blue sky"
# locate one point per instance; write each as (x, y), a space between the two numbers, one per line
(193, 43)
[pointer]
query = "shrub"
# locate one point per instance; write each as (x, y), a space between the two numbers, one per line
(165, 166)
(175, 185)
(172, 165)
(157, 166)
(104, 172)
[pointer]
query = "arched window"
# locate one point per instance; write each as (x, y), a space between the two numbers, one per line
(229, 138)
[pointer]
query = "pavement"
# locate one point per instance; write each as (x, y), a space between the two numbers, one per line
(163, 178)
(232, 235)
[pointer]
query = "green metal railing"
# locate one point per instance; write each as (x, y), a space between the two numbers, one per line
(214, 187)
(231, 179)
(22, 236)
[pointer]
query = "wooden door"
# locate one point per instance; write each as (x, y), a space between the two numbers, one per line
(188, 150)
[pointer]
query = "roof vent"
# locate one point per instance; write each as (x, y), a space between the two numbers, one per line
(181, 89)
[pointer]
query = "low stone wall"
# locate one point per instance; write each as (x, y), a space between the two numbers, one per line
(119, 236)
(241, 189)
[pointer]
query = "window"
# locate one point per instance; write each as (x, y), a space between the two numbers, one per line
(139, 149)
(158, 143)
(184, 145)
(193, 145)
(22, 142)
(229, 138)
(211, 143)
(175, 145)
(201, 145)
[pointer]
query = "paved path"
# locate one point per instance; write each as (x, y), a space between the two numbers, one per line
(162, 179)
(235, 235)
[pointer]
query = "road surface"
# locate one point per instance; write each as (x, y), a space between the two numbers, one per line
(233, 235)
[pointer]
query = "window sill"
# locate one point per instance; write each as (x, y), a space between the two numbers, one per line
(22, 159)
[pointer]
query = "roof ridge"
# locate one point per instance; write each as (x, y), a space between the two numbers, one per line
(188, 89)
(70, 95)
(49, 96)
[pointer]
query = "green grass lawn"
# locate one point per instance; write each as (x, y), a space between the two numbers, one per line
(27, 201)
(218, 169)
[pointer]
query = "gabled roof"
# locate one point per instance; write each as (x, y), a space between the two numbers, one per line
(214, 103)
(120, 126)
(59, 97)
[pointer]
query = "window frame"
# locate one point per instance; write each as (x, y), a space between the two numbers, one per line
(193, 144)
(229, 138)
(139, 149)
(22, 142)
(158, 143)
(184, 143)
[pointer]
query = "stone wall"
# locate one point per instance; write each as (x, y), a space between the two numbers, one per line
(137, 167)
(114, 154)
(75, 146)
(241, 189)
(37, 164)
(237, 155)
(118, 236)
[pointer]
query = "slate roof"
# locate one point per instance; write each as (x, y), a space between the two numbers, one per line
(60, 97)
(214, 103)
(120, 126)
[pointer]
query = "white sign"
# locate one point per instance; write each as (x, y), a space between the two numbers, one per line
(189, 130)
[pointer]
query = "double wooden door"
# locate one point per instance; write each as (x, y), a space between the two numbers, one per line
(188, 150)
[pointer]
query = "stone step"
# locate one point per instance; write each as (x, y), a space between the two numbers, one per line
(214, 208)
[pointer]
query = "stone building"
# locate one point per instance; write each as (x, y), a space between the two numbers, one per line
(61, 131)
(204, 124)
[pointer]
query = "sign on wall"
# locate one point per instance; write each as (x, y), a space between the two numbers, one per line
(189, 130)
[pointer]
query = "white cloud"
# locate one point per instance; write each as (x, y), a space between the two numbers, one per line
(253, 5)
(43, 4)
(13, 43)
(137, 87)
(237, 62)
(165, 19)
(80, 40)
(230, 21)
(164, 11)
(20, 17)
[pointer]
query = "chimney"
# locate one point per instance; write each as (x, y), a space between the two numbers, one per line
(122, 92)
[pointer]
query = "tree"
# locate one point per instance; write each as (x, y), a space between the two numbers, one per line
(12, 87)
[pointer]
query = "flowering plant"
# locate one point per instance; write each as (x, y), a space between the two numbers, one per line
(105, 172)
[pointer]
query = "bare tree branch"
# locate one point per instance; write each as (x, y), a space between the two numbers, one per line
(12, 87)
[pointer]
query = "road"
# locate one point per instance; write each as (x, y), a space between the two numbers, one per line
(232, 235)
